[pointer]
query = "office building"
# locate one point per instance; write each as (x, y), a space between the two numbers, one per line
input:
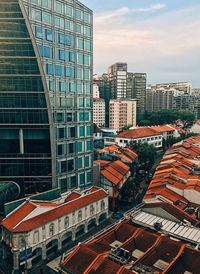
(99, 112)
(138, 83)
(117, 76)
(122, 113)
(45, 94)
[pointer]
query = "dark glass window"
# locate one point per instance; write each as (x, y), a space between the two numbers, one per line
(71, 132)
(71, 148)
(61, 133)
(70, 165)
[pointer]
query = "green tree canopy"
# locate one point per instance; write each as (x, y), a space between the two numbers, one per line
(146, 153)
(182, 118)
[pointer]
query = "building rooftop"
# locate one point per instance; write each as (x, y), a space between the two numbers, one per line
(126, 154)
(138, 133)
(32, 214)
(130, 248)
(114, 172)
(177, 177)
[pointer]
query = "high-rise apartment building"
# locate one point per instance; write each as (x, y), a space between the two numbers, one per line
(122, 113)
(188, 102)
(104, 92)
(159, 99)
(184, 87)
(45, 94)
(96, 90)
(99, 112)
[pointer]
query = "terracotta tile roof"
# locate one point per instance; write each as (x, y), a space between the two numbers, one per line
(138, 133)
(126, 154)
(114, 172)
(94, 257)
(18, 215)
(72, 196)
(164, 128)
(16, 221)
(98, 99)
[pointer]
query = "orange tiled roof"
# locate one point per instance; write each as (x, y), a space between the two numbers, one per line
(138, 133)
(93, 257)
(16, 221)
(113, 171)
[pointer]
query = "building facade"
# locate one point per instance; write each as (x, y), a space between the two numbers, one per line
(117, 76)
(46, 94)
(99, 112)
(140, 135)
(139, 82)
(122, 113)
(45, 227)
(159, 99)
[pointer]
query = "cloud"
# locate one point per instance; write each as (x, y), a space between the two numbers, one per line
(166, 46)
(101, 17)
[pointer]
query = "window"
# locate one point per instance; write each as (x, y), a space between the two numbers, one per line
(80, 163)
(71, 57)
(80, 216)
(70, 148)
(36, 237)
(89, 177)
(66, 222)
(92, 210)
(38, 32)
(60, 150)
(103, 205)
(61, 54)
(58, 70)
(82, 179)
(49, 35)
(46, 18)
(51, 230)
(81, 131)
(71, 132)
(49, 69)
(80, 147)
(87, 161)
(69, 72)
(37, 15)
(70, 165)
(61, 133)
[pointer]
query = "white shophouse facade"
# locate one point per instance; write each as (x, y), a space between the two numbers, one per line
(54, 232)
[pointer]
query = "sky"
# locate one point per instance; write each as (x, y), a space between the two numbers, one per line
(161, 38)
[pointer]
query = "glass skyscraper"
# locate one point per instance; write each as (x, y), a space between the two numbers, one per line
(45, 94)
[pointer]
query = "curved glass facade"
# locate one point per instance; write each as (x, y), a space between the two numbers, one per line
(45, 94)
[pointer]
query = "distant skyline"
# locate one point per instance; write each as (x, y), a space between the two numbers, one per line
(159, 38)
